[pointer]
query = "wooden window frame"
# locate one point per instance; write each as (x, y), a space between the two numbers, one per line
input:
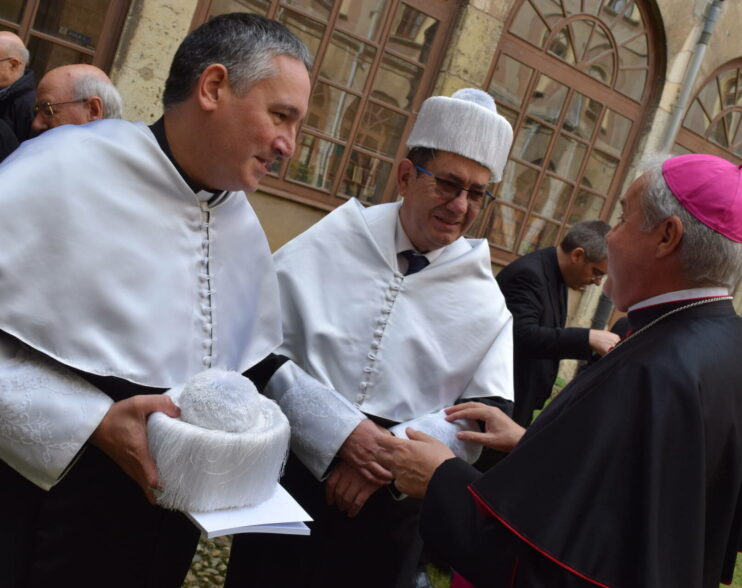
(110, 32)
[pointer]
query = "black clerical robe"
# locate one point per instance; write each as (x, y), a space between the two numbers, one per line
(631, 478)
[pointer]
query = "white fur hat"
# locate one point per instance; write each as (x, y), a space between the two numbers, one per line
(227, 448)
(467, 124)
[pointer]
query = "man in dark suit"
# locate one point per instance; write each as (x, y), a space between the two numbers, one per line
(535, 290)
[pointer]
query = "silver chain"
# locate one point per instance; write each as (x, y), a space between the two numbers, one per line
(669, 313)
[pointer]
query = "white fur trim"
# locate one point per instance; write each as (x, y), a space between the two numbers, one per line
(467, 124)
(204, 468)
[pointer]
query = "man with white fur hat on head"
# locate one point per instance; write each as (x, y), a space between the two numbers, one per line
(398, 316)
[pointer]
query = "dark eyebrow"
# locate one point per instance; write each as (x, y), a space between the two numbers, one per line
(454, 178)
(291, 110)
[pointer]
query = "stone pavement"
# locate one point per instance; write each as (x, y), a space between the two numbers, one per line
(209, 563)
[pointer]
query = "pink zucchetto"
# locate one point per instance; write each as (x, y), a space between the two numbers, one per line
(710, 188)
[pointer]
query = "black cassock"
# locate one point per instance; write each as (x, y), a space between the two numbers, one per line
(631, 478)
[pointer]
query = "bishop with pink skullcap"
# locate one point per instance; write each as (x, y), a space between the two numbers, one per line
(710, 188)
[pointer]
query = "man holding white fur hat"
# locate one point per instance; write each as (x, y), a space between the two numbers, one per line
(397, 316)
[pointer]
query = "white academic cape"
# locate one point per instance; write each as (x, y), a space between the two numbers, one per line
(397, 347)
(109, 263)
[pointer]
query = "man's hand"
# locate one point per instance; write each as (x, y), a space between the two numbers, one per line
(360, 448)
(122, 436)
(413, 462)
(601, 342)
(348, 489)
(500, 431)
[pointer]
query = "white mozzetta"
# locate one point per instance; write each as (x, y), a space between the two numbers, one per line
(82, 298)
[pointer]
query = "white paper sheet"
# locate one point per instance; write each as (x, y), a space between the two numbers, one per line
(279, 514)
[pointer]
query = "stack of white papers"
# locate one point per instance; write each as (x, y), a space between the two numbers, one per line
(279, 514)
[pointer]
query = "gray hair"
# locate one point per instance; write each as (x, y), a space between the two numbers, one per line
(243, 43)
(707, 257)
(89, 85)
(590, 235)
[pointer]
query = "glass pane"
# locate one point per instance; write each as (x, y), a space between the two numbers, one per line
(552, 198)
(362, 17)
(320, 9)
(505, 226)
(600, 171)
(550, 9)
(599, 57)
(510, 115)
(637, 51)
(582, 113)
(587, 206)
(227, 6)
(332, 111)
(696, 120)
(562, 46)
(381, 129)
(306, 29)
(315, 162)
(539, 234)
(347, 61)
(532, 141)
(631, 82)
(46, 55)
(365, 177)
(710, 100)
(581, 32)
(412, 33)
(517, 183)
(396, 82)
(77, 21)
(547, 99)
(719, 131)
(567, 157)
(529, 26)
(11, 10)
(614, 132)
(510, 81)
(728, 86)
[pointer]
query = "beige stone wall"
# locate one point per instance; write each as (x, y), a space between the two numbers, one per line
(152, 33)
(283, 219)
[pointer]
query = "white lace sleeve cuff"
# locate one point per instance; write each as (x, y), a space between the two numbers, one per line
(47, 413)
(436, 425)
(320, 418)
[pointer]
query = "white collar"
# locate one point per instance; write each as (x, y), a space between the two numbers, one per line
(689, 294)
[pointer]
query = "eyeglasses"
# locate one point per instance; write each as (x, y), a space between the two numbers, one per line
(48, 108)
(449, 190)
(5, 59)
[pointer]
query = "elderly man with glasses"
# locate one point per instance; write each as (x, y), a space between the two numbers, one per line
(74, 95)
(396, 315)
(17, 90)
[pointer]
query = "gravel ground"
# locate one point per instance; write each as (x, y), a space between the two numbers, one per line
(209, 564)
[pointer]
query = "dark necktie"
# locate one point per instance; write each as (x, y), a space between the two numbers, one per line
(415, 261)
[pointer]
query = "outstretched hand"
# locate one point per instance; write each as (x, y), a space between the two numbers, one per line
(122, 436)
(413, 462)
(500, 431)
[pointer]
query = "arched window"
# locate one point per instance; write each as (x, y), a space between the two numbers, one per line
(375, 63)
(712, 122)
(574, 78)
